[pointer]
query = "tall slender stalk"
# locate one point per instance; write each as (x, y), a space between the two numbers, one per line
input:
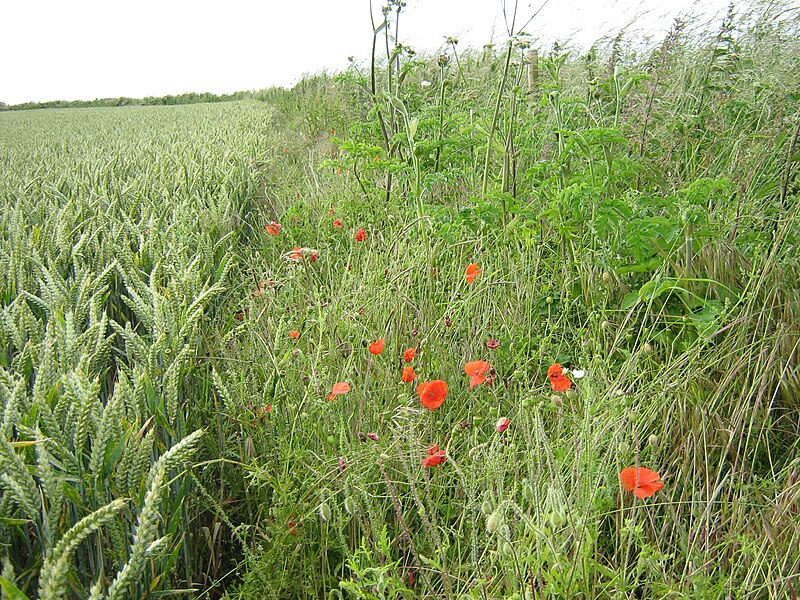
(495, 118)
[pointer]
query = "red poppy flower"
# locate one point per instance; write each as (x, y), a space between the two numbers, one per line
(642, 482)
(338, 223)
(493, 344)
(408, 355)
(273, 228)
(296, 254)
(502, 424)
(435, 456)
(373, 436)
(340, 387)
(360, 235)
(376, 347)
(558, 380)
(408, 375)
(477, 372)
(294, 334)
(432, 393)
(472, 272)
(268, 408)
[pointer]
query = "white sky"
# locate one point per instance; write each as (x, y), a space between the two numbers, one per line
(86, 49)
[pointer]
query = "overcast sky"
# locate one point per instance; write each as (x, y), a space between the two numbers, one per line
(86, 49)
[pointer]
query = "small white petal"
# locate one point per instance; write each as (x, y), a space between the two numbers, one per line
(578, 373)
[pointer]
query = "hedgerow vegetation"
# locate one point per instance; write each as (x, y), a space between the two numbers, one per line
(169, 100)
(208, 313)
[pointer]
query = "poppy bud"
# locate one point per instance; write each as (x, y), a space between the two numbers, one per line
(647, 348)
(486, 507)
(362, 436)
(493, 522)
(373, 436)
(506, 548)
(414, 332)
(350, 506)
(557, 519)
(606, 276)
(633, 417)
(556, 400)
(296, 352)
(324, 512)
(653, 440)
(448, 322)
(624, 447)
(527, 491)
(384, 456)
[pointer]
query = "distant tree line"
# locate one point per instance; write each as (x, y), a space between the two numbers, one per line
(188, 98)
